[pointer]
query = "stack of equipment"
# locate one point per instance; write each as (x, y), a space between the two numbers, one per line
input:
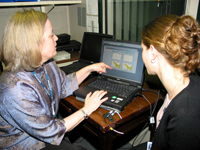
(64, 43)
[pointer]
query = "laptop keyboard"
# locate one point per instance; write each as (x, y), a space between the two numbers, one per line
(119, 89)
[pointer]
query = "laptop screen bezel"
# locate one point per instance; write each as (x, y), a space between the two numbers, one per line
(83, 57)
(106, 75)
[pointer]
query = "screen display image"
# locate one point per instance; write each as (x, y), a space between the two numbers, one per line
(125, 58)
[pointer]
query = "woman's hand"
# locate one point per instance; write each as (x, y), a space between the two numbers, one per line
(100, 67)
(93, 101)
(84, 72)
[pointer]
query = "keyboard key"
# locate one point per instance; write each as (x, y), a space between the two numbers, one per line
(120, 89)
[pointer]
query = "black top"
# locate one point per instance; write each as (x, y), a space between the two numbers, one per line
(179, 128)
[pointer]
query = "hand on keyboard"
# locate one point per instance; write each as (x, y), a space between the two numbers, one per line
(94, 100)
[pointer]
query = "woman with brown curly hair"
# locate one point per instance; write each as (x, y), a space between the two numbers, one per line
(171, 50)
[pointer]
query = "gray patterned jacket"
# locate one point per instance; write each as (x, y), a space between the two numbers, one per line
(26, 119)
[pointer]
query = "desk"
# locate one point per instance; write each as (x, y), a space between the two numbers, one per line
(135, 115)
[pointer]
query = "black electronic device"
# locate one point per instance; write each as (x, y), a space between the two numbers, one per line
(72, 46)
(90, 51)
(124, 81)
(63, 39)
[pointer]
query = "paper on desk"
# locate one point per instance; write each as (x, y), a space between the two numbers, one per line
(66, 63)
(62, 55)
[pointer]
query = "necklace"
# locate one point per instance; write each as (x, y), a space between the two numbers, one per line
(176, 86)
(50, 88)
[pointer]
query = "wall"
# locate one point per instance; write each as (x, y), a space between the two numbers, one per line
(5, 14)
(75, 29)
(192, 8)
(59, 18)
(64, 18)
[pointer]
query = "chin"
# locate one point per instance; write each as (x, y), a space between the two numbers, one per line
(55, 53)
(150, 73)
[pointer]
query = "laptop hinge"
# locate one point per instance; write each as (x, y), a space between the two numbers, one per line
(116, 81)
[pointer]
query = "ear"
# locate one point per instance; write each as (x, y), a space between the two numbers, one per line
(153, 53)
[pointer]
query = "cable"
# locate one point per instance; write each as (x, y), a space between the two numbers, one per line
(119, 117)
(158, 93)
(112, 112)
(109, 116)
(116, 131)
(149, 104)
(112, 129)
(156, 102)
(151, 111)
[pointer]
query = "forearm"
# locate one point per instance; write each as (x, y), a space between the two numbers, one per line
(73, 120)
(98, 67)
(83, 74)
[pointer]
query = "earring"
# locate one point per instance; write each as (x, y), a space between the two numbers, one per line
(153, 61)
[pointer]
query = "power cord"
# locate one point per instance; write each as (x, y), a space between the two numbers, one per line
(110, 114)
(151, 117)
(110, 117)
(158, 93)
(149, 104)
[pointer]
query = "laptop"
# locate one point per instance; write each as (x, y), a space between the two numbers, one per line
(125, 58)
(90, 51)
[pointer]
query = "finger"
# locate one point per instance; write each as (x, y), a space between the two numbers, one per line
(108, 67)
(89, 94)
(97, 93)
(104, 99)
(105, 67)
(102, 93)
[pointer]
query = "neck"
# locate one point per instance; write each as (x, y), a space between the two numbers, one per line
(176, 89)
(174, 82)
(172, 78)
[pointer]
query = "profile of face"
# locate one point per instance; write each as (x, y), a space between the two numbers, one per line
(48, 46)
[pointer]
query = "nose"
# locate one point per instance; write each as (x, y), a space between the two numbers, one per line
(55, 38)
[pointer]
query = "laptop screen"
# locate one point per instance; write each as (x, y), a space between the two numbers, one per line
(125, 58)
(91, 46)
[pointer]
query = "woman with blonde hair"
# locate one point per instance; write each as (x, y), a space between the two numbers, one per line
(32, 86)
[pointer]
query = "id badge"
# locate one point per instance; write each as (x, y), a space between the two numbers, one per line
(149, 145)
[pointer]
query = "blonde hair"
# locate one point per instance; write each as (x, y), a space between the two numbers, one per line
(21, 41)
(177, 39)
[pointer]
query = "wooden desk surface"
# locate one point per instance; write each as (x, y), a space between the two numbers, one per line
(135, 109)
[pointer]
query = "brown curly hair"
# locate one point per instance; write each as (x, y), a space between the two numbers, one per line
(177, 39)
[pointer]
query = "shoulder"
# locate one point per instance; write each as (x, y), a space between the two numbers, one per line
(195, 79)
(15, 84)
(11, 79)
(193, 89)
(51, 65)
(187, 100)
